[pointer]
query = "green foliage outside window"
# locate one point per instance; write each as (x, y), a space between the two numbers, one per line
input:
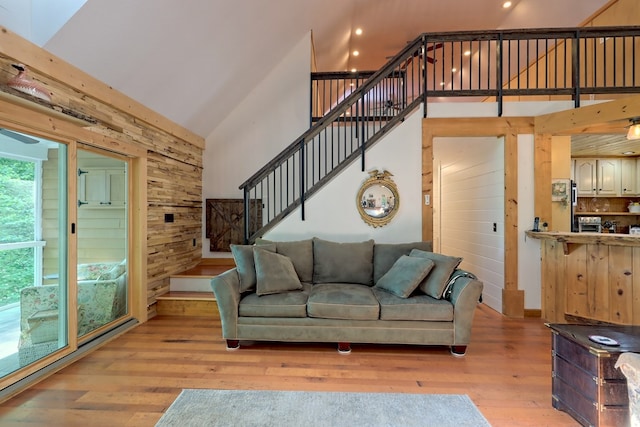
(17, 213)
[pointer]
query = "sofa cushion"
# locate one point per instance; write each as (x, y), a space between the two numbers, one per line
(274, 273)
(416, 307)
(301, 254)
(435, 283)
(117, 271)
(385, 254)
(347, 301)
(405, 275)
(335, 262)
(286, 304)
(243, 257)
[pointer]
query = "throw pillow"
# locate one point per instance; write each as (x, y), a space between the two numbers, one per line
(274, 273)
(301, 254)
(335, 262)
(443, 265)
(246, 268)
(405, 275)
(385, 254)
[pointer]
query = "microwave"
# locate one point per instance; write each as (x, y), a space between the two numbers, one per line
(590, 224)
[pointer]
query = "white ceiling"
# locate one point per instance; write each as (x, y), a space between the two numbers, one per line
(193, 61)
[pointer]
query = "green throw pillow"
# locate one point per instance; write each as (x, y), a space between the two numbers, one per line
(443, 266)
(274, 273)
(243, 257)
(301, 254)
(405, 275)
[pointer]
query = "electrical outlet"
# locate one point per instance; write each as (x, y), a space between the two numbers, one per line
(427, 199)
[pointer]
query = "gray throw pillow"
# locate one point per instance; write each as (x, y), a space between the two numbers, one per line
(385, 254)
(335, 262)
(301, 254)
(243, 257)
(405, 275)
(274, 273)
(444, 265)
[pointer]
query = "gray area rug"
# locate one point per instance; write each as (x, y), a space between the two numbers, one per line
(311, 409)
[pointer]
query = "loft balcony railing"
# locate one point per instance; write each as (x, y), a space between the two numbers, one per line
(351, 111)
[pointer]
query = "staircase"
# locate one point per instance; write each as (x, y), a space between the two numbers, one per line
(190, 292)
(477, 66)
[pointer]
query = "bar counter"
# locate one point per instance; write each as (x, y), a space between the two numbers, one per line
(590, 277)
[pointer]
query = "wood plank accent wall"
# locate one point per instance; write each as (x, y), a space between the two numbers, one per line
(172, 154)
(509, 128)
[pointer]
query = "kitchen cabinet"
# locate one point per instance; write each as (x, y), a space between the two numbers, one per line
(598, 177)
(628, 177)
(101, 187)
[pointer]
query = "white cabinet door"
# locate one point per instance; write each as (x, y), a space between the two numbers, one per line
(585, 174)
(99, 187)
(628, 177)
(608, 177)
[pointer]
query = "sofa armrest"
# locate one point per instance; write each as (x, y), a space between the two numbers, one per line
(464, 295)
(226, 288)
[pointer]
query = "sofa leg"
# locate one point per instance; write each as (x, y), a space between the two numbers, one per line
(458, 350)
(344, 347)
(233, 345)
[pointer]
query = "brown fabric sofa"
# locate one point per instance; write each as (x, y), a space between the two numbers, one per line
(316, 290)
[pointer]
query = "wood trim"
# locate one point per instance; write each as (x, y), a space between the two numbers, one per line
(50, 65)
(509, 128)
(593, 118)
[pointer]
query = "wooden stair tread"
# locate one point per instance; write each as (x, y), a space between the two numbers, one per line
(204, 270)
(187, 296)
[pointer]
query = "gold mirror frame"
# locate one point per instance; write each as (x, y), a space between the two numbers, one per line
(378, 200)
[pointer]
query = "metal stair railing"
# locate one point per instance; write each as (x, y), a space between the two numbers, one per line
(355, 113)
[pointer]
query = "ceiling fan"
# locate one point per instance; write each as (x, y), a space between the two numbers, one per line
(18, 136)
(419, 54)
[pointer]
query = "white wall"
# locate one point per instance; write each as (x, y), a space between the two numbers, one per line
(332, 213)
(468, 201)
(269, 119)
(37, 20)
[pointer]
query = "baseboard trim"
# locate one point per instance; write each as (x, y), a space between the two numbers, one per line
(531, 312)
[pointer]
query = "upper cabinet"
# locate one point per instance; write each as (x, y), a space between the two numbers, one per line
(628, 177)
(101, 187)
(598, 177)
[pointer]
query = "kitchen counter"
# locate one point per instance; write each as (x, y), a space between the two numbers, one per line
(611, 239)
(589, 277)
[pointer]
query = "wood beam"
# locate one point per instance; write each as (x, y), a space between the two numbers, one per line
(41, 61)
(585, 119)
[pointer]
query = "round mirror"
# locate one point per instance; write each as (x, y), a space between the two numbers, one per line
(378, 199)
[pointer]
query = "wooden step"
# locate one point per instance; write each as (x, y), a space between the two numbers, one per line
(198, 279)
(188, 304)
(190, 291)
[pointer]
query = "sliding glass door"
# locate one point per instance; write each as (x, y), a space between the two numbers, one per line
(101, 240)
(33, 248)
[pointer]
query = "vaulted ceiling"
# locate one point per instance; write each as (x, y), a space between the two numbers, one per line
(194, 61)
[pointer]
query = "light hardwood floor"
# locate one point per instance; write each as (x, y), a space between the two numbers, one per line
(132, 380)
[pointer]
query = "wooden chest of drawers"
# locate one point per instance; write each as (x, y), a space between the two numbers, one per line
(586, 383)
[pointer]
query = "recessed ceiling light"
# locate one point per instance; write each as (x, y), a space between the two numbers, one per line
(629, 152)
(442, 83)
(506, 4)
(358, 31)
(356, 53)
(467, 52)
(454, 69)
(353, 70)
